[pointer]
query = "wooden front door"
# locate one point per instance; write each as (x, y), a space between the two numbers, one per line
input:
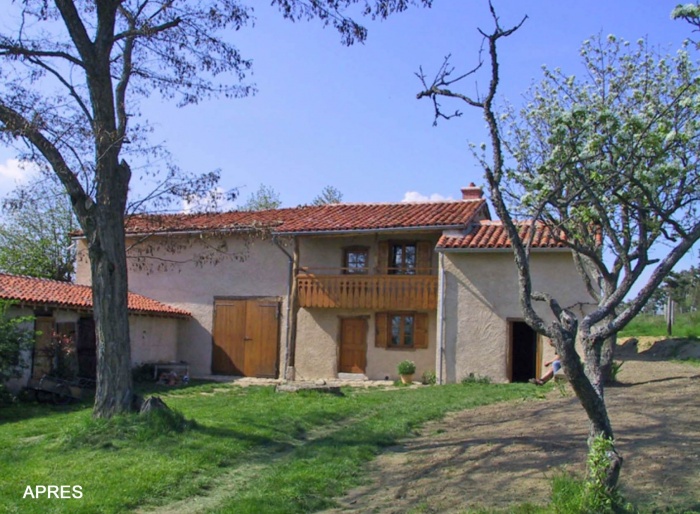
(353, 345)
(246, 336)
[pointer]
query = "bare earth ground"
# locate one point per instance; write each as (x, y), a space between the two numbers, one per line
(504, 455)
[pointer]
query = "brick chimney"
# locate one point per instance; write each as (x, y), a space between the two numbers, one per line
(472, 192)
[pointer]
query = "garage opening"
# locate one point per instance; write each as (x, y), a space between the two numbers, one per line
(524, 356)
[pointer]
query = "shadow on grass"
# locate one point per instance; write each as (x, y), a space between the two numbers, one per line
(35, 410)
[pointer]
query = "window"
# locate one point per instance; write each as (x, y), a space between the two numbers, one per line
(355, 260)
(401, 330)
(402, 335)
(402, 259)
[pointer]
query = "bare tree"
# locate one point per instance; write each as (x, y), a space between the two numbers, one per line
(71, 75)
(610, 164)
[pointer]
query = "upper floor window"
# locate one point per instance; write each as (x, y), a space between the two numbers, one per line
(356, 260)
(402, 259)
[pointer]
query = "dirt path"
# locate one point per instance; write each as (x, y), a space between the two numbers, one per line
(500, 455)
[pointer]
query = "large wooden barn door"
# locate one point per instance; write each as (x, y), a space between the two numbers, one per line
(353, 345)
(246, 337)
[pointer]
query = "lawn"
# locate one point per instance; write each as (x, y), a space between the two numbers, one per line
(686, 325)
(239, 450)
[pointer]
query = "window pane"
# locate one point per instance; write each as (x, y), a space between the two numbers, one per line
(396, 330)
(403, 259)
(356, 261)
(408, 331)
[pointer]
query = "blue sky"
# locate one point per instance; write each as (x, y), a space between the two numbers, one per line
(348, 117)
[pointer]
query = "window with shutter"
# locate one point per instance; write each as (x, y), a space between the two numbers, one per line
(400, 330)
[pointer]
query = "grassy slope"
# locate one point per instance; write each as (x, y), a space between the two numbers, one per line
(248, 448)
(686, 325)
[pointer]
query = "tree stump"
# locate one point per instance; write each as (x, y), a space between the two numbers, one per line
(153, 403)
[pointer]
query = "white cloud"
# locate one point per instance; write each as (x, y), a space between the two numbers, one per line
(14, 172)
(415, 196)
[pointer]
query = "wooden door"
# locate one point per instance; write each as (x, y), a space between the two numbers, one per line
(353, 345)
(246, 336)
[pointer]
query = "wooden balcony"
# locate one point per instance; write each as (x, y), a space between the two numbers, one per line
(376, 292)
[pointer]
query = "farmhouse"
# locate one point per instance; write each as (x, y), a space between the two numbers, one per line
(63, 309)
(346, 290)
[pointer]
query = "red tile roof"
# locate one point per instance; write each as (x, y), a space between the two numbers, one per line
(323, 218)
(492, 235)
(66, 295)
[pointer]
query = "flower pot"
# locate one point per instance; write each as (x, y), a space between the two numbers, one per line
(407, 379)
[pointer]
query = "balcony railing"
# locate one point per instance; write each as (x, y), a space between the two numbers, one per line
(376, 292)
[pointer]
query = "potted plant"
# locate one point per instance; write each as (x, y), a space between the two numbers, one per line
(406, 370)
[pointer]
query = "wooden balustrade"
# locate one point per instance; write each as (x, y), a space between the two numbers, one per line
(376, 292)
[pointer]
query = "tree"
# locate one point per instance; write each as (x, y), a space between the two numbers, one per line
(328, 195)
(609, 162)
(263, 199)
(35, 236)
(72, 74)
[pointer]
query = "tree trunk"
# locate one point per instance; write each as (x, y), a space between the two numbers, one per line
(107, 250)
(607, 355)
(588, 385)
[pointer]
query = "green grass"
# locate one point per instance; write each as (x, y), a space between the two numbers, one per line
(242, 449)
(685, 325)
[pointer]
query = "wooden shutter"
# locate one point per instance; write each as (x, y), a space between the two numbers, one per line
(420, 336)
(381, 332)
(424, 257)
(383, 257)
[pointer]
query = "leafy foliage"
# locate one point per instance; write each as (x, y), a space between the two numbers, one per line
(611, 161)
(15, 339)
(406, 367)
(328, 195)
(35, 232)
(263, 199)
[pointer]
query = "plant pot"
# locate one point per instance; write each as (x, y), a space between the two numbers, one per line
(407, 379)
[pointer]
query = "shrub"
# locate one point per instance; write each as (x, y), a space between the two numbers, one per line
(14, 340)
(407, 367)
(429, 378)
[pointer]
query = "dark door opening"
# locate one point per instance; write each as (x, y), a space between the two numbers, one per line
(523, 351)
(86, 347)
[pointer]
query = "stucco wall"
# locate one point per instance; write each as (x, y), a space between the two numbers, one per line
(481, 296)
(318, 332)
(153, 339)
(244, 268)
(324, 254)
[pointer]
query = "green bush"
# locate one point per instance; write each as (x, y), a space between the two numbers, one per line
(429, 378)
(407, 367)
(14, 340)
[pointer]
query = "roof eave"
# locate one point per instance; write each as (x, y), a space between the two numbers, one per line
(499, 250)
